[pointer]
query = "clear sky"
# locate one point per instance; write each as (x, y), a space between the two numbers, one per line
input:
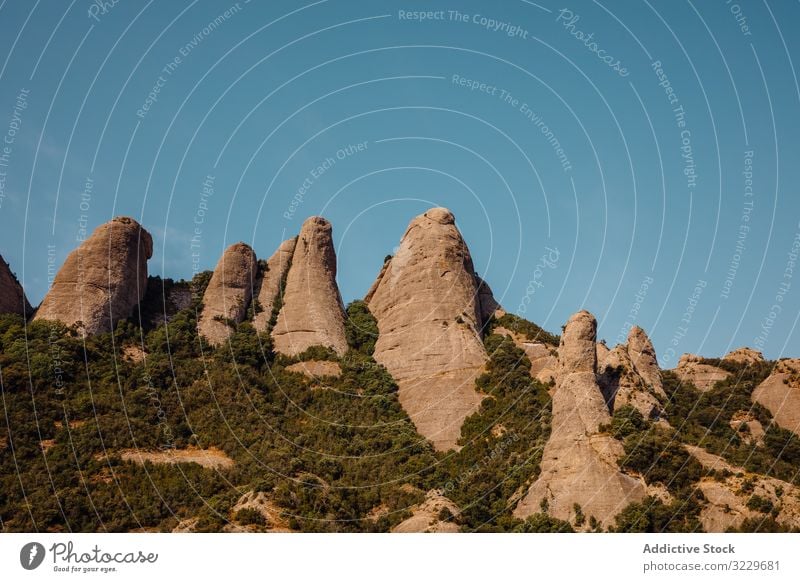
(647, 150)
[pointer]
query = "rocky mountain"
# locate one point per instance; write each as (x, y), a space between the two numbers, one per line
(272, 279)
(103, 280)
(580, 462)
(694, 369)
(630, 376)
(312, 313)
(228, 294)
(431, 307)
(780, 394)
(12, 297)
(423, 408)
(744, 356)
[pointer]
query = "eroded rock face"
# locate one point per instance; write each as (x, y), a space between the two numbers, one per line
(579, 465)
(316, 368)
(228, 294)
(690, 368)
(277, 267)
(487, 306)
(602, 352)
(726, 499)
(12, 296)
(312, 312)
(643, 356)
(744, 356)
(780, 394)
(629, 376)
(426, 517)
(102, 280)
(429, 306)
(750, 430)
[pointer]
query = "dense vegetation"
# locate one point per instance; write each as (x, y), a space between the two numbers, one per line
(527, 329)
(328, 452)
(332, 453)
(705, 419)
(502, 443)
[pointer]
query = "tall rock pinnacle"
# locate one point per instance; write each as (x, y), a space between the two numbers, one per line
(277, 267)
(12, 296)
(312, 313)
(630, 376)
(643, 357)
(427, 301)
(228, 294)
(103, 279)
(579, 463)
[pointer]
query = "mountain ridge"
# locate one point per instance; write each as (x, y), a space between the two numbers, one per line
(489, 421)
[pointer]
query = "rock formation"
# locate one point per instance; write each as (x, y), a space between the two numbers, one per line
(691, 368)
(429, 308)
(228, 294)
(630, 376)
(312, 313)
(12, 296)
(270, 287)
(727, 497)
(643, 356)
(427, 516)
(750, 429)
(102, 280)
(579, 464)
(602, 352)
(780, 394)
(487, 306)
(744, 356)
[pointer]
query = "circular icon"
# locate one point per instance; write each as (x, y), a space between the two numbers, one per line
(31, 555)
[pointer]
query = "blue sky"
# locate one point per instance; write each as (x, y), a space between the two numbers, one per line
(542, 139)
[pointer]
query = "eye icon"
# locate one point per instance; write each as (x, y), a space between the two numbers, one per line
(31, 555)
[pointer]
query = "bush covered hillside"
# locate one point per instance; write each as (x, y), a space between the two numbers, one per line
(149, 428)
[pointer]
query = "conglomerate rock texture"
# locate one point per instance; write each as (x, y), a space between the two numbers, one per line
(312, 313)
(629, 375)
(579, 465)
(12, 296)
(780, 394)
(228, 294)
(430, 309)
(691, 368)
(270, 287)
(103, 280)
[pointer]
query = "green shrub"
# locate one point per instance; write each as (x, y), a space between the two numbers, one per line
(250, 516)
(760, 504)
(626, 421)
(651, 515)
(528, 329)
(361, 328)
(660, 459)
